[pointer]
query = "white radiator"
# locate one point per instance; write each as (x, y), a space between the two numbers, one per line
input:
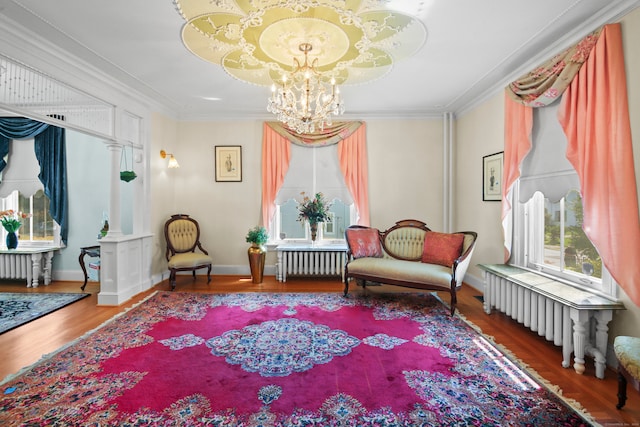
(323, 262)
(535, 311)
(15, 266)
(576, 319)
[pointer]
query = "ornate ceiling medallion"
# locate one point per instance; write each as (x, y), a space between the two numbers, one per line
(259, 42)
(354, 41)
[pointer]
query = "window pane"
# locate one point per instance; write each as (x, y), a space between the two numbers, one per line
(290, 227)
(340, 219)
(24, 205)
(42, 221)
(563, 234)
(552, 224)
(587, 260)
(40, 226)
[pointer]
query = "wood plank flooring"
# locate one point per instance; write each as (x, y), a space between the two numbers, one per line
(25, 345)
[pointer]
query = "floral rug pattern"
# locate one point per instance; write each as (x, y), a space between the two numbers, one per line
(282, 360)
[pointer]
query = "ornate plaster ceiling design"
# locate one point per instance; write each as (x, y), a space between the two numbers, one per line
(256, 41)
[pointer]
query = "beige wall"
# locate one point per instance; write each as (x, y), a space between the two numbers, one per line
(480, 132)
(405, 181)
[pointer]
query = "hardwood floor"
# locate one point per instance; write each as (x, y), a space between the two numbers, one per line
(26, 344)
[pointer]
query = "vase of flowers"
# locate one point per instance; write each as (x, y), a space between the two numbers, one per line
(12, 221)
(257, 252)
(313, 211)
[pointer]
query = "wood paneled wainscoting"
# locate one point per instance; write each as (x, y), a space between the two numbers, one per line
(26, 344)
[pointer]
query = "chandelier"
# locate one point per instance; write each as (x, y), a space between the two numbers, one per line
(304, 101)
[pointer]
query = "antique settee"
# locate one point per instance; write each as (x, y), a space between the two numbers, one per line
(409, 254)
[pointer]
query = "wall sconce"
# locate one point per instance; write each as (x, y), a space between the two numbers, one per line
(173, 163)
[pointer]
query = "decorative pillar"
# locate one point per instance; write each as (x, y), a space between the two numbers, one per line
(115, 226)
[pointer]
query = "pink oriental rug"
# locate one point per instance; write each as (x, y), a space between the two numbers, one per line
(181, 359)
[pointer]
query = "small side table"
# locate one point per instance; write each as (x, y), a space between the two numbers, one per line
(92, 251)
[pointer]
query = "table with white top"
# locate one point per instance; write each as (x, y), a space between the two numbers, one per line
(27, 263)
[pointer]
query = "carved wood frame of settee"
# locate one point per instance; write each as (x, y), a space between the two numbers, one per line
(402, 245)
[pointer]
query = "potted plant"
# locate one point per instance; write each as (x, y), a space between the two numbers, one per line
(257, 252)
(313, 211)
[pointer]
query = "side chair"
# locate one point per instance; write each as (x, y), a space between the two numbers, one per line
(182, 234)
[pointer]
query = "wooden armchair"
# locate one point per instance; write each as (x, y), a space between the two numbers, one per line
(182, 234)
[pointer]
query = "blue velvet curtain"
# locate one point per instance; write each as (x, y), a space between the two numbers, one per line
(51, 152)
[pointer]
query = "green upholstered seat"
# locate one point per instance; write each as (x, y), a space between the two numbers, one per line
(627, 350)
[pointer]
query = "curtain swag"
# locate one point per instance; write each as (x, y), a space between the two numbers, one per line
(50, 150)
(546, 83)
(331, 135)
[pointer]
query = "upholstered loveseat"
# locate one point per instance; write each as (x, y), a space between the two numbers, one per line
(409, 254)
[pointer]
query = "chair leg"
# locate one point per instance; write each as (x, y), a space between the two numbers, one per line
(172, 279)
(622, 390)
(209, 274)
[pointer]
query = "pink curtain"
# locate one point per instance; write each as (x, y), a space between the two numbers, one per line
(276, 154)
(352, 154)
(595, 117)
(518, 124)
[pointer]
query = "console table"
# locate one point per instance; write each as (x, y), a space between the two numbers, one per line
(27, 263)
(556, 310)
(92, 251)
(311, 260)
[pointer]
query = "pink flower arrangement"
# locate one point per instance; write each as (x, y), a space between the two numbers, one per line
(313, 210)
(11, 220)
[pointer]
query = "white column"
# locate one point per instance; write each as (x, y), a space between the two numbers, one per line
(115, 227)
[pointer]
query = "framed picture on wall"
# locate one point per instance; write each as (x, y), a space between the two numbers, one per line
(492, 177)
(228, 160)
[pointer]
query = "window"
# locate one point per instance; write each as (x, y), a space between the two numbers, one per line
(555, 243)
(547, 221)
(39, 229)
(287, 226)
(312, 170)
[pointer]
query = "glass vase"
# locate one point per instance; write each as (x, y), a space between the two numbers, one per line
(313, 227)
(12, 240)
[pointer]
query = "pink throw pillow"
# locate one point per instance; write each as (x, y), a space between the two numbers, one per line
(364, 242)
(442, 248)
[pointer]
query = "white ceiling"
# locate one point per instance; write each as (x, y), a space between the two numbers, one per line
(472, 49)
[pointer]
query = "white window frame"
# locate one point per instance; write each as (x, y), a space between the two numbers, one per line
(528, 249)
(276, 227)
(11, 202)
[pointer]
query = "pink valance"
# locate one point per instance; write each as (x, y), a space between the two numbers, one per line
(547, 82)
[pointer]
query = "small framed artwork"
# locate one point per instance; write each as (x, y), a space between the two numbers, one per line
(492, 177)
(228, 159)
